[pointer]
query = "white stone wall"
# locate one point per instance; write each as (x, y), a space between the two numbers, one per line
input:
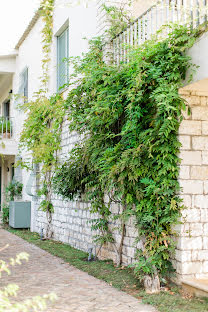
(192, 248)
(71, 219)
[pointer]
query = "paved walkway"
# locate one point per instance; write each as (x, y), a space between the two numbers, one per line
(77, 291)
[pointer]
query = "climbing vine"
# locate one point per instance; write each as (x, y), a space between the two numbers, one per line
(41, 134)
(46, 12)
(128, 117)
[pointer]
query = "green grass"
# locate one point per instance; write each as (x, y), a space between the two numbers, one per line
(121, 278)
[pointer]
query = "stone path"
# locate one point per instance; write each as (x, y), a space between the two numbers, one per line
(77, 291)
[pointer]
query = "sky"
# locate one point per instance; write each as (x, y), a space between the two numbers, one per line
(15, 15)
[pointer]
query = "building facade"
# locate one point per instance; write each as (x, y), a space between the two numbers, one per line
(20, 72)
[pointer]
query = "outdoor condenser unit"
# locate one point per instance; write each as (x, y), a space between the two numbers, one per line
(20, 214)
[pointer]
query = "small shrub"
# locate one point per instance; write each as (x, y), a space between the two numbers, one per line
(13, 189)
(5, 213)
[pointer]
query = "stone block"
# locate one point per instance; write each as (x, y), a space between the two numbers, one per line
(201, 276)
(126, 241)
(205, 187)
(203, 100)
(194, 100)
(199, 255)
(205, 267)
(200, 143)
(204, 127)
(196, 229)
(200, 201)
(191, 215)
(191, 186)
(204, 215)
(190, 127)
(205, 230)
(130, 252)
(191, 157)
(189, 243)
(187, 200)
(192, 267)
(185, 140)
(205, 243)
(183, 255)
(204, 158)
(199, 172)
(185, 230)
(200, 113)
(184, 172)
(184, 92)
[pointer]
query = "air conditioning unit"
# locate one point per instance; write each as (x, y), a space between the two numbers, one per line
(20, 214)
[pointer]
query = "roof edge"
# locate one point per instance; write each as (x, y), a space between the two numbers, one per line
(12, 54)
(28, 29)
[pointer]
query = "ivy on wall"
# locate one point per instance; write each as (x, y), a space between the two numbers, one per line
(129, 116)
(46, 12)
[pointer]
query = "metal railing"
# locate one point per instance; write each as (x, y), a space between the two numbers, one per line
(193, 12)
(6, 127)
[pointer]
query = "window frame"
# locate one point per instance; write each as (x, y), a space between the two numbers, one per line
(24, 84)
(64, 32)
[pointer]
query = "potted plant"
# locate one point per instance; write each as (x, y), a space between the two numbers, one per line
(19, 210)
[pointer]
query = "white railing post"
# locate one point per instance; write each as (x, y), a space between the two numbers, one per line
(193, 12)
(205, 11)
(135, 35)
(197, 13)
(139, 31)
(167, 10)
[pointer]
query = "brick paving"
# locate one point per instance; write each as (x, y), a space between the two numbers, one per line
(76, 290)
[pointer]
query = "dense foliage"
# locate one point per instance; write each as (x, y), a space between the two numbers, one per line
(128, 117)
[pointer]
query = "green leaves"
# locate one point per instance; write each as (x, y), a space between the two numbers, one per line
(129, 116)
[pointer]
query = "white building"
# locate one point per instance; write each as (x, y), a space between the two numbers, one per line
(21, 70)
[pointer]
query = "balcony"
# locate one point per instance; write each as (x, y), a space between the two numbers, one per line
(6, 127)
(8, 144)
(193, 12)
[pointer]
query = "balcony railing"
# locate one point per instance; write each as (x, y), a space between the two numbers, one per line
(6, 127)
(193, 12)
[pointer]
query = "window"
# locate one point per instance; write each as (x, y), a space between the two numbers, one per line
(6, 109)
(62, 55)
(24, 84)
(12, 171)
